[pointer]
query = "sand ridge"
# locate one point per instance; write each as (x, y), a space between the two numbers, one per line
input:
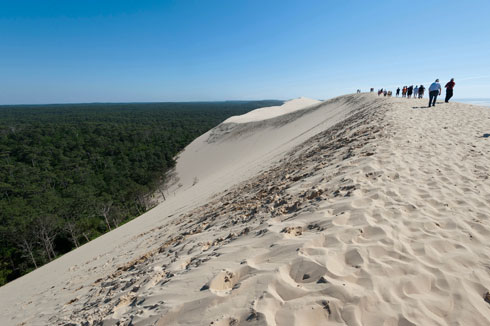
(381, 219)
(273, 111)
(235, 152)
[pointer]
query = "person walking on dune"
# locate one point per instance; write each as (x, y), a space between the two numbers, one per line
(398, 92)
(421, 91)
(434, 90)
(409, 91)
(404, 91)
(449, 89)
(415, 91)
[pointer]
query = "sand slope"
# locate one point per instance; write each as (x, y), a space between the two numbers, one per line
(243, 145)
(377, 214)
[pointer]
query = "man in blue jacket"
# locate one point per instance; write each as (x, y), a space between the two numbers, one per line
(434, 90)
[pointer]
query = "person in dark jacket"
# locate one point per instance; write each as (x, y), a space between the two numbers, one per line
(409, 91)
(449, 89)
(421, 91)
(398, 92)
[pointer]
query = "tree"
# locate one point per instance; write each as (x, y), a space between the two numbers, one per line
(47, 227)
(21, 232)
(104, 208)
(72, 227)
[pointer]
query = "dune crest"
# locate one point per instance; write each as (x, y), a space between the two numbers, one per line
(358, 211)
(273, 111)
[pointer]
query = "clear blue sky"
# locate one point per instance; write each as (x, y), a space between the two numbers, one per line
(119, 51)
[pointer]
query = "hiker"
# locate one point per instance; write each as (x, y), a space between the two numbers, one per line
(404, 91)
(371, 90)
(434, 90)
(398, 92)
(410, 91)
(449, 89)
(389, 93)
(415, 91)
(421, 91)
(385, 92)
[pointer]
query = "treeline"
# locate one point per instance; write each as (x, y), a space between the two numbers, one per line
(69, 173)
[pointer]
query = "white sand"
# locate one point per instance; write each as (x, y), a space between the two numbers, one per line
(273, 111)
(244, 145)
(356, 211)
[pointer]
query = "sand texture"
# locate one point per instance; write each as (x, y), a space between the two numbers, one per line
(355, 211)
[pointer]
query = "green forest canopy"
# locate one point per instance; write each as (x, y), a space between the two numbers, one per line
(71, 172)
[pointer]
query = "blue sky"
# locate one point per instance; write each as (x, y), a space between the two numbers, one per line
(132, 51)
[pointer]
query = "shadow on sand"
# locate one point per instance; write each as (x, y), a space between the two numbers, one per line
(426, 107)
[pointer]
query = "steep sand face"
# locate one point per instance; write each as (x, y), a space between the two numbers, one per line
(381, 218)
(243, 145)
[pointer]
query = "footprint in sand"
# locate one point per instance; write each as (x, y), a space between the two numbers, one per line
(353, 258)
(306, 271)
(123, 304)
(373, 233)
(226, 281)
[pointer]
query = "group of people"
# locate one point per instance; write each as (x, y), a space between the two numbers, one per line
(383, 92)
(434, 91)
(408, 91)
(418, 91)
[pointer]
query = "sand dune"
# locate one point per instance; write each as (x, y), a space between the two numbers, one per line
(243, 145)
(355, 211)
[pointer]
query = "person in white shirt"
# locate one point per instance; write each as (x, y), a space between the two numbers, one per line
(434, 90)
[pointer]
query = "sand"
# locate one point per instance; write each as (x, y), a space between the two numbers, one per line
(355, 211)
(273, 111)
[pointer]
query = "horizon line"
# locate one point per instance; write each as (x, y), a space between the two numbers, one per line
(137, 102)
(198, 101)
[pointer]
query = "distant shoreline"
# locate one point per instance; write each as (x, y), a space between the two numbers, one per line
(475, 101)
